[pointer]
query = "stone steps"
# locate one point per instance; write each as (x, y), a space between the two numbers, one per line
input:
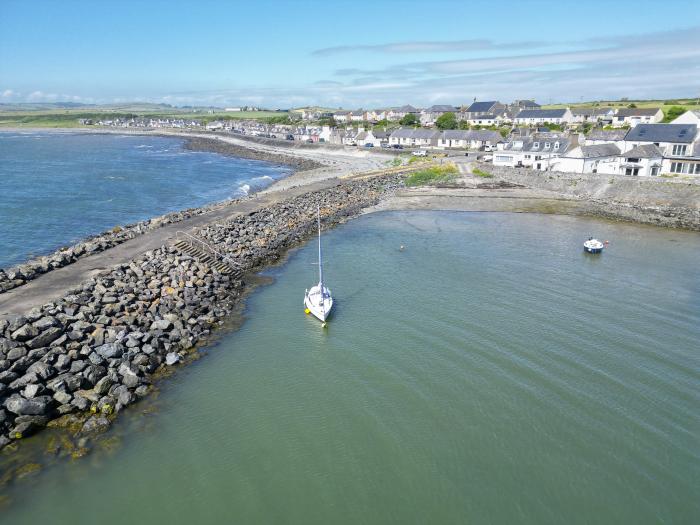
(202, 256)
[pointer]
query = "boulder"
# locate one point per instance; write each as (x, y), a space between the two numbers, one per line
(33, 390)
(25, 333)
(45, 322)
(95, 425)
(161, 324)
(103, 386)
(109, 350)
(62, 397)
(37, 406)
(46, 337)
(41, 370)
(16, 353)
(172, 358)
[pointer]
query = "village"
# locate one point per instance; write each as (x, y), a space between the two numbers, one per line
(607, 140)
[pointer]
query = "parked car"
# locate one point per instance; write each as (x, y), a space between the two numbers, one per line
(369, 145)
(289, 137)
(397, 146)
(487, 158)
(419, 153)
(310, 141)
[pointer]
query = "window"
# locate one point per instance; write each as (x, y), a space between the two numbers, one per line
(556, 145)
(677, 167)
(631, 171)
(679, 149)
(632, 160)
(697, 169)
(536, 145)
(546, 145)
(528, 156)
(503, 158)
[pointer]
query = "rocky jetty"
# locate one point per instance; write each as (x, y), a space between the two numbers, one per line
(23, 273)
(84, 358)
(233, 150)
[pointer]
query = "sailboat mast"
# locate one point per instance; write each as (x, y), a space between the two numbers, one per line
(320, 263)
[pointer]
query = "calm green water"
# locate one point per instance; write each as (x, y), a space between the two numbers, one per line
(489, 373)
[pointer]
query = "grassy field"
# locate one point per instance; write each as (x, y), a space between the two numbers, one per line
(433, 175)
(692, 103)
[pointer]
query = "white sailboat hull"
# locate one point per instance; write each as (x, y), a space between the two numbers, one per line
(319, 305)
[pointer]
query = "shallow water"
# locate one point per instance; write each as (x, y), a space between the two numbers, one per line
(58, 188)
(489, 373)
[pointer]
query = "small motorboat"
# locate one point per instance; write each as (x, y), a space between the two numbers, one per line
(593, 245)
(318, 300)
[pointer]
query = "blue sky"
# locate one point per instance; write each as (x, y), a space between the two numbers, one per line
(350, 54)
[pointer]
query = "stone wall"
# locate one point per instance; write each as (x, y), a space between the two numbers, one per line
(668, 202)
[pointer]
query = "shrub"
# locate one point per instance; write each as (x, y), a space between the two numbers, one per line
(433, 175)
(482, 174)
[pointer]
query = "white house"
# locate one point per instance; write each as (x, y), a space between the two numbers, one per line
(588, 159)
(341, 116)
(534, 117)
(357, 116)
(644, 160)
(689, 117)
(396, 114)
(477, 109)
(679, 145)
(474, 139)
(430, 115)
(414, 137)
(538, 151)
(633, 116)
(367, 137)
(454, 138)
(591, 114)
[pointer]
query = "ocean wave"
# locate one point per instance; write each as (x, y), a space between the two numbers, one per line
(144, 146)
(263, 178)
(244, 189)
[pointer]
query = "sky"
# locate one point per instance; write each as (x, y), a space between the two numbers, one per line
(337, 53)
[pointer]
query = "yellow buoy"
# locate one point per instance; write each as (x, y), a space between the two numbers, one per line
(307, 311)
(323, 325)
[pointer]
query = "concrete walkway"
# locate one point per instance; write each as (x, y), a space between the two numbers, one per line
(55, 284)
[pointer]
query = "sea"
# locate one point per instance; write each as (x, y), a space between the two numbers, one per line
(59, 188)
(488, 372)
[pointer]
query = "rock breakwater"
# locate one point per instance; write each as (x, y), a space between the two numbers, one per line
(80, 360)
(23, 273)
(233, 150)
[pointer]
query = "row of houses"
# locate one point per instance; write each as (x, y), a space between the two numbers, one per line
(520, 112)
(647, 149)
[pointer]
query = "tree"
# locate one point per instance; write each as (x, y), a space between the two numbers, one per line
(446, 121)
(328, 121)
(673, 112)
(632, 106)
(409, 119)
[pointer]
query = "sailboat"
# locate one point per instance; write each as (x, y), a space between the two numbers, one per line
(318, 300)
